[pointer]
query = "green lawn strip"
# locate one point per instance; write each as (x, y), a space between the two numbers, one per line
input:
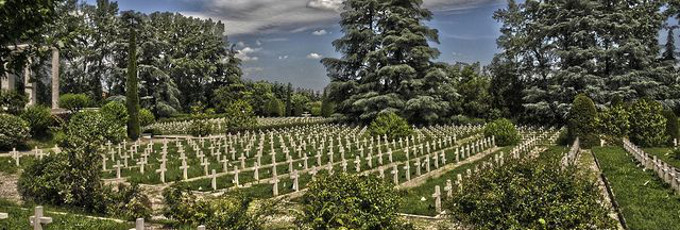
(19, 219)
(664, 154)
(646, 202)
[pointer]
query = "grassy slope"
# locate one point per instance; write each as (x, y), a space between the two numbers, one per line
(19, 219)
(646, 202)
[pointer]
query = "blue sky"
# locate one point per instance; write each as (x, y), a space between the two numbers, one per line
(283, 40)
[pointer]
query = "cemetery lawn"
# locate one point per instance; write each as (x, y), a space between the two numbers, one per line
(646, 202)
(19, 219)
(665, 154)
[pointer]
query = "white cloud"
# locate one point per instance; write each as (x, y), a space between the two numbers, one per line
(320, 32)
(245, 54)
(266, 16)
(314, 56)
(283, 57)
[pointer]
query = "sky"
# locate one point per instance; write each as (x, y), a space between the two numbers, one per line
(284, 40)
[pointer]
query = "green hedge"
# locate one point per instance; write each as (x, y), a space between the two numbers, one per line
(503, 131)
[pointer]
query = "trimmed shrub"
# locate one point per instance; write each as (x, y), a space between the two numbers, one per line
(146, 117)
(582, 121)
(327, 108)
(42, 180)
(92, 129)
(39, 118)
(74, 102)
(391, 125)
(671, 126)
(14, 131)
(648, 125)
(346, 201)
(12, 101)
(529, 195)
(115, 111)
(503, 131)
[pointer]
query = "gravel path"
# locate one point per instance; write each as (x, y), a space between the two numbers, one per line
(8, 187)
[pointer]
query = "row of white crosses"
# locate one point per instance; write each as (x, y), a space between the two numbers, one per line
(37, 153)
(217, 124)
(498, 159)
(666, 172)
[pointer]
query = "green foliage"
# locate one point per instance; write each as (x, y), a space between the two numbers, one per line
(115, 111)
(614, 121)
(74, 102)
(275, 108)
(200, 127)
(299, 104)
(582, 120)
(530, 195)
(146, 117)
(240, 116)
(132, 88)
(128, 202)
(12, 101)
(42, 181)
(14, 131)
(465, 120)
(345, 201)
(229, 211)
(503, 131)
(327, 108)
(314, 108)
(648, 125)
(39, 118)
(391, 125)
(389, 67)
(672, 130)
(92, 129)
(475, 100)
(22, 22)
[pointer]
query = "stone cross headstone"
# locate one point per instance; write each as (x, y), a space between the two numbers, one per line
(418, 167)
(139, 224)
(459, 181)
(17, 155)
(38, 219)
(213, 180)
(295, 177)
(357, 164)
(162, 171)
(117, 166)
(3, 215)
(257, 172)
(449, 188)
(275, 188)
(437, 199)
(184, 168)
(236, 176)
(395, 173)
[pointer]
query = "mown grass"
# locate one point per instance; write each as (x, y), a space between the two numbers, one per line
(19, 219)
(646, 202)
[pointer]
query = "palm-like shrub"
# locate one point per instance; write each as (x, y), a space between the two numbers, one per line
(39, 118)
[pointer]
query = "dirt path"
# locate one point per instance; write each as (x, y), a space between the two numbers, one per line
(8, 187)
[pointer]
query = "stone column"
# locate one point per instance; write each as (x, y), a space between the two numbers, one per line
(29, 86)
(55, 78)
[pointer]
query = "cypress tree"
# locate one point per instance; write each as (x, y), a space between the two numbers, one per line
(669, 51)
(132, 91)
